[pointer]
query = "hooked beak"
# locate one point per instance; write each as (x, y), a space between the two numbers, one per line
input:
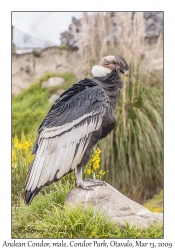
(126, 73)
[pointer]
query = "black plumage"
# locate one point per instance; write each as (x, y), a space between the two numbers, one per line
(80, 117)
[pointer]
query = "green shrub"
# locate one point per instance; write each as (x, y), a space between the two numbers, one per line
(134, 150)
(31, 106)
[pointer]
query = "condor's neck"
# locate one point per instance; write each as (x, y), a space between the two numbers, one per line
(112, 85)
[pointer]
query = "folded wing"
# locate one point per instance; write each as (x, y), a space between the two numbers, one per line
(64, 136)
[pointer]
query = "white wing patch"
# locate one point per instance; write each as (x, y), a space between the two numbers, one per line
(60, 149)
(53, 131)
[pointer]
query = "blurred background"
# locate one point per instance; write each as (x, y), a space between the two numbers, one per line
(39, 29)
(53, 50)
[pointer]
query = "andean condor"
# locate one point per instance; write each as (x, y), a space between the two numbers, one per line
(80, 117)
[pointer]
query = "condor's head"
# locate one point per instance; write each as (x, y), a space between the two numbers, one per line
(109, 63)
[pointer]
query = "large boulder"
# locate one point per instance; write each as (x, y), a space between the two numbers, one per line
(118, 207)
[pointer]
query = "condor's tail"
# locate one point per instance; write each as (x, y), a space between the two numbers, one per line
(29, 195)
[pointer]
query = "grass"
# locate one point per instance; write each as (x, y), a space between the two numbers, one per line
(31, 105)
(22, 159)
(134, 149)
(49, 217)
(118, 32)
(156, 203)
(133, 152)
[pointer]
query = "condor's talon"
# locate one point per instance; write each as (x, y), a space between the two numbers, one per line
(95, 182)
(83, 186)
(78, 119)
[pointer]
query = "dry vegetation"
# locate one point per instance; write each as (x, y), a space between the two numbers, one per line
(133, 151)
(97, 40)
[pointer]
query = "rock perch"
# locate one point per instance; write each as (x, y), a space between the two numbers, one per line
(118, 207)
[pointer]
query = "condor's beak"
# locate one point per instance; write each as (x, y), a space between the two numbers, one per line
(126, 73)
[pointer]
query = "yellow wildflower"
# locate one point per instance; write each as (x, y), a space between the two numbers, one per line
(21, 150)
(13, 158)
(93, 166)
(15, 142)
(89, 171)
(155, 209)
(101, 172)
(96, 159)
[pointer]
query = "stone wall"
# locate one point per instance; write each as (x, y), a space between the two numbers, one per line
(29, 67)
(153, 27)
(69, 38)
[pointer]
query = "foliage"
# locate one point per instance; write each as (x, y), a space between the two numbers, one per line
(31, 105)
(48, 217)
(134, 149)
(133, 152)
(117, 32)
(155, 209)
(156, 203)
(62, 47)
(92, 168)
(22, 158)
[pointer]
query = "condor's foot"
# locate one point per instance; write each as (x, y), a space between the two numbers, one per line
(83, 186)
(89, 183)
(95, 182)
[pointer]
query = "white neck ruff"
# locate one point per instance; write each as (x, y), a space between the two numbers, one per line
(99, 71)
